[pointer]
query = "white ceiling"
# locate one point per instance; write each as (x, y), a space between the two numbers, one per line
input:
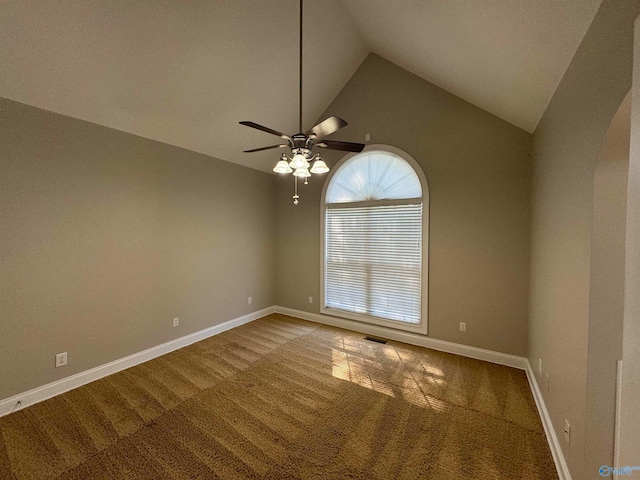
(505, 56)
(185, 73)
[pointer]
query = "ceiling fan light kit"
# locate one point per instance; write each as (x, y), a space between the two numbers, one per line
(302, 172)
(301, 144)
(319, 166)
(282, 167)
(299, 160)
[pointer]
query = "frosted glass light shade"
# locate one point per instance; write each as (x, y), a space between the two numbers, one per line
(282, 167)
(319, 167)
(302, 172)
(299, 161)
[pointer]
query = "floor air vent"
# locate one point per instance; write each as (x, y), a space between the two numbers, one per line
(376, 339)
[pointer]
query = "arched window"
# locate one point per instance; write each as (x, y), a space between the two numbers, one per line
(375, 227)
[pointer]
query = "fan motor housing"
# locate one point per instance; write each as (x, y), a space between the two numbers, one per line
(301, 142)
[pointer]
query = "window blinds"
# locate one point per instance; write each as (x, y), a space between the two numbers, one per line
(373, 261)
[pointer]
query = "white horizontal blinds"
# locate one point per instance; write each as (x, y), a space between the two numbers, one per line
(373, 260)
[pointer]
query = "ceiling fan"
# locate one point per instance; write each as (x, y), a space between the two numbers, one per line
(302, 144)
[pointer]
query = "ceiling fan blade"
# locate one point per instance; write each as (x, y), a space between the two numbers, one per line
(326, 127)
(344, 146)
(264, 148)
(266, 129)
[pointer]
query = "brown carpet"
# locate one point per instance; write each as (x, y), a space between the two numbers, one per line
(284, 398)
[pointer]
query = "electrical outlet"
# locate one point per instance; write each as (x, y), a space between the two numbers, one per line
(539, 367)
(250, 300)
(310, 299)
(463, 327)
(546, 381)
(176, 322)
(567, 431)
(61, 359)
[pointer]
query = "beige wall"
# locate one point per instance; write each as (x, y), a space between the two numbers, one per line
(630, 413)
(606, 290)
(478, 171)
(105, 237)
(565, 146)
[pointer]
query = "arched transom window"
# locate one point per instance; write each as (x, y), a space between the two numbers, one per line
(374, 255)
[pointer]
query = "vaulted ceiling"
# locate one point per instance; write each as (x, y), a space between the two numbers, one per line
(185, 73)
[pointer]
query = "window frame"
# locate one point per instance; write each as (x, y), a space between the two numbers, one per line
(422, 327)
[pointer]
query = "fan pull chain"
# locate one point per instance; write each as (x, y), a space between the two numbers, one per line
(295, 190)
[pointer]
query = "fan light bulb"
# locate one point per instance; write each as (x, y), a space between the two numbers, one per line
(301, 172)
(282, 167)
(319, 166)
(299, 161)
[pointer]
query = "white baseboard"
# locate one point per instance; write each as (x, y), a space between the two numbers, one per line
(618, 420)
(552, 438)
(17, 402)
(411, 338)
